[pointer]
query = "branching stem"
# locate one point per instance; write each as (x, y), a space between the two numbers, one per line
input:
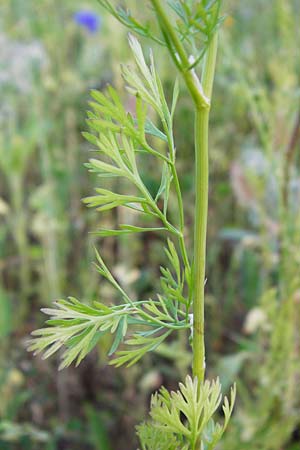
(178, 53)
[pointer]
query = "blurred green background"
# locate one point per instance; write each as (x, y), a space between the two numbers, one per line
(49, 60)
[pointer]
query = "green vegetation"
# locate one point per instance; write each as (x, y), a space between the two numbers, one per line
(158, 226)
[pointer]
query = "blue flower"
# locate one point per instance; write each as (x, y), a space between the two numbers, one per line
(88, 20)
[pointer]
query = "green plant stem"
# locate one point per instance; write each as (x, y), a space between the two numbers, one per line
(201, 207)
(177, 51)
(201, 211)
(171, 145)
(201, 96)
(180, 205)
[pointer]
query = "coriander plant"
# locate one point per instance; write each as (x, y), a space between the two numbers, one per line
(182, 419)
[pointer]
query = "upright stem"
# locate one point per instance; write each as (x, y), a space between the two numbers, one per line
(201, 95)
(201, 211)
(201, 208)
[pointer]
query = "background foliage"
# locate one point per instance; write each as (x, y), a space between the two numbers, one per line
(50, 58)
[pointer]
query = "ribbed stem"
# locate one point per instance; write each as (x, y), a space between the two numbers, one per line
(201, 207)
(201, 211)
(201, 95)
